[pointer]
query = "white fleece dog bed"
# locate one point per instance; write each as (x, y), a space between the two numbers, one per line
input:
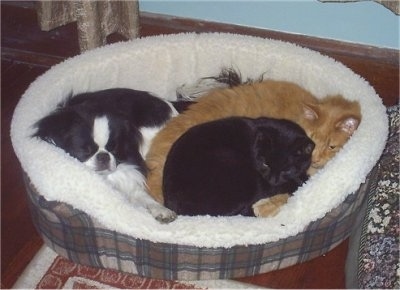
(161, 64)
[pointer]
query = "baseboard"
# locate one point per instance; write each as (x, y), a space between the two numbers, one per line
(30, 57)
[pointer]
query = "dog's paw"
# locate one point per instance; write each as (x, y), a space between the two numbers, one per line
(162, 214)
(269, 207)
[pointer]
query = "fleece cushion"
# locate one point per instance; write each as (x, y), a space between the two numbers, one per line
(160, 65)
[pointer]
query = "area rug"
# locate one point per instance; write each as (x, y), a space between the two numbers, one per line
(48, 270)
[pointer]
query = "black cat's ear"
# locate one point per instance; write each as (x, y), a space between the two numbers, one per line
(304, 146)
(310, 112)
(308, 148)
(348, 125)
(263, 139)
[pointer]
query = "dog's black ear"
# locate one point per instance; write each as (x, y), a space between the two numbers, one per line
(56, 126)
(123, 130)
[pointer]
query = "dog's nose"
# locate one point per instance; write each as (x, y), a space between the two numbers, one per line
(103, 158)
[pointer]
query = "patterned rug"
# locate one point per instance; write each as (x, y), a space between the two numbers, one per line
(51, 271)
(379, 252)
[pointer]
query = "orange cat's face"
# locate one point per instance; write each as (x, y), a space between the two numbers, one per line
(330, 124)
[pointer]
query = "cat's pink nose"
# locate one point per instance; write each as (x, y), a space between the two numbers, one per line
(316, 163)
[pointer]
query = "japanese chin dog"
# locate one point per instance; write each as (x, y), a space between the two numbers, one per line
(110, 132)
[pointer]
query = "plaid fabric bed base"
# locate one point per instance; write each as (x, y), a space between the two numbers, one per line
(77, 236)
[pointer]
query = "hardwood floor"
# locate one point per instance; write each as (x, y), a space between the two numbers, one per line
(17, 231)
(28, 52)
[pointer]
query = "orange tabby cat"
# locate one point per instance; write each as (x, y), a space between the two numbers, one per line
(328, 122)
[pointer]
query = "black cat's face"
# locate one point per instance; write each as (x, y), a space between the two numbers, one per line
(283, 155)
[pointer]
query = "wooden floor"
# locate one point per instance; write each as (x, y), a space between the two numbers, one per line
(28, 52)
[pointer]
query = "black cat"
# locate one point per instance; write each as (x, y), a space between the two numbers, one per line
(221, 168)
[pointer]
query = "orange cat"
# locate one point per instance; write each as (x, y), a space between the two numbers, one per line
(328, 122)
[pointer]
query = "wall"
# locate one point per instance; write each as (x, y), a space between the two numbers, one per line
(359, 22)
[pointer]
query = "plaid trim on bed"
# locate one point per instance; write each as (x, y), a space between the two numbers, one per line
(75, 235)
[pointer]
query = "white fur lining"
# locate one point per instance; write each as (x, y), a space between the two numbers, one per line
(161, 64)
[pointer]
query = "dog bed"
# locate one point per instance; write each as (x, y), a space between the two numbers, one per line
(83, 219)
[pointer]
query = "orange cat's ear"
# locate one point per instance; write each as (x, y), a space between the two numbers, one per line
(309, 112)
(348, 125)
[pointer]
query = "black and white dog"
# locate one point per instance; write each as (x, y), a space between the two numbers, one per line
(110, 131)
